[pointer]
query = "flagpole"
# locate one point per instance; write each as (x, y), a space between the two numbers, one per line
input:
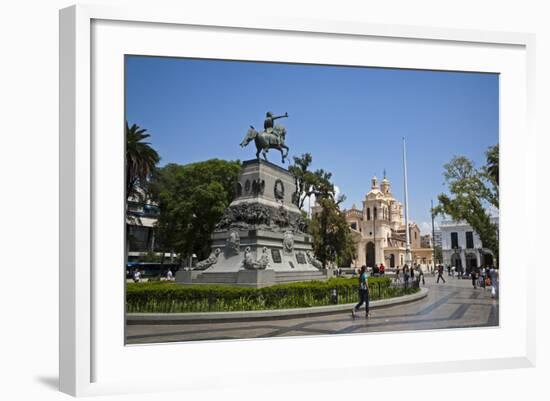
(433, 233)
(407, 235)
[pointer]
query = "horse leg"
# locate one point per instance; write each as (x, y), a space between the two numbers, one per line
(282, 154)
(286, 153)
(258, 153)
(264, 152)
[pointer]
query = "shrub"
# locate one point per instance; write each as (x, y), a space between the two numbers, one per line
(166, 297)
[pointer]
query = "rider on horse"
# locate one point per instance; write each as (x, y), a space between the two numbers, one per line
(271, 128)
(273, 137)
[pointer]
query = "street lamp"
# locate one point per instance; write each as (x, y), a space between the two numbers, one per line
(374, 213)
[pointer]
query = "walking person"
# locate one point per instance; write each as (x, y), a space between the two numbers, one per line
(397, 278)
(363, 293)
(473, 275)
(482, 277)
(406, 275)
(440, 274)
(420, 275)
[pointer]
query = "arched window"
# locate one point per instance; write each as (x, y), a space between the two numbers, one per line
(374, 213)
(368, 213)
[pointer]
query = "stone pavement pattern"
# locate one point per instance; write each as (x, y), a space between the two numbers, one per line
(454, 304)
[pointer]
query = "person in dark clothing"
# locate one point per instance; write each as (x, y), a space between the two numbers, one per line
(473, 275)
(363, 293)
(406, 276)
(440, 274)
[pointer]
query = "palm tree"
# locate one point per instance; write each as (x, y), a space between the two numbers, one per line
(141, 160)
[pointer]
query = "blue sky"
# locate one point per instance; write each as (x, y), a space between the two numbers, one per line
(351, 119)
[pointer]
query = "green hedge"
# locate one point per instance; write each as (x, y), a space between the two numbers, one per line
(167, 297)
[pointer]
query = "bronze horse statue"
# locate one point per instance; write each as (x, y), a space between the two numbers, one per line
(273, 139)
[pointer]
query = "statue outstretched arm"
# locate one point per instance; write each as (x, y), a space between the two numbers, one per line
(283, 116)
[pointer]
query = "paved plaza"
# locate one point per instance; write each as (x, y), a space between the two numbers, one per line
(454, 304)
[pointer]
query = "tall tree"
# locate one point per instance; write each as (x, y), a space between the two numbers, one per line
(141, 160)
(472, 191)
(192, 199)
(491, 173)
(332, 239)
(304, 179)
(331, 235)
(310, 183)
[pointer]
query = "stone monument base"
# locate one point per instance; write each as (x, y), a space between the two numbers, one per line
(261, 238)
(252, 278)
(256, 278)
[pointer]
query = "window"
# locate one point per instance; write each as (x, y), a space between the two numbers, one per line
(354, 226)
(469, 239)
(454, 240)
(374, 210)
(368, 213)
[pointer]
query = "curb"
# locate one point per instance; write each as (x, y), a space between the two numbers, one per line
(274, 314)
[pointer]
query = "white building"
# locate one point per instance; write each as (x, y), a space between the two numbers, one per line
(461, 246)
(437, 238)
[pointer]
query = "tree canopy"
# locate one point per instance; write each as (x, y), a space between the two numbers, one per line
(310, 183)
(192, 199)
(332, 240)
(472, 192)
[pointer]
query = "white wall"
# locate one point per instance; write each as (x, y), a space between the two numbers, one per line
(29, 123)
(461, 231)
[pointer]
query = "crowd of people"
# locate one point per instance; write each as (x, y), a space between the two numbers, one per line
(486, 277)
(483, 277)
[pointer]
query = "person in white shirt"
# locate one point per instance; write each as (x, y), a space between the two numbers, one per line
(137, 276)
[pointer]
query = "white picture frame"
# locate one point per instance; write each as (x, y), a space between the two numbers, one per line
(93, 358)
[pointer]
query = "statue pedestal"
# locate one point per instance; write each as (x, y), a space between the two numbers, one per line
(186, 276)
(256, 278)
(263, 223)
(329, 273)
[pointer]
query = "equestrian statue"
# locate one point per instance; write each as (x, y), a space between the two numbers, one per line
(272, 137)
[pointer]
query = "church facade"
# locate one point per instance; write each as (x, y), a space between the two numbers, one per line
(378, 231)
